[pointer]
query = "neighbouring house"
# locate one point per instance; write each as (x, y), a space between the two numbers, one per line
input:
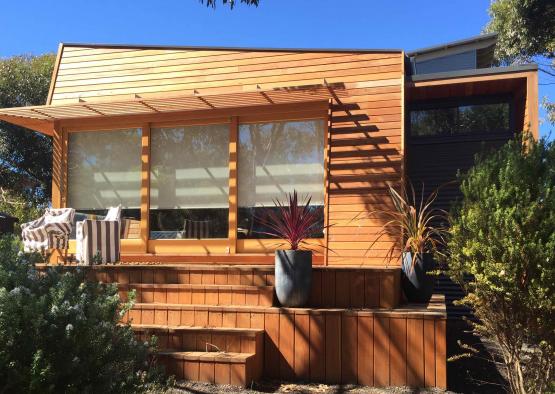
(195, 143)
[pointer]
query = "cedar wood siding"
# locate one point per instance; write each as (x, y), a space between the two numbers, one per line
(366, 135)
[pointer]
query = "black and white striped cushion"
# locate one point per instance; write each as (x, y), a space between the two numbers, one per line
(196, 229)
(51, 231)
(98, 237)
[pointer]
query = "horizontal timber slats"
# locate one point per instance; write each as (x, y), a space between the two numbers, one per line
(365, 140)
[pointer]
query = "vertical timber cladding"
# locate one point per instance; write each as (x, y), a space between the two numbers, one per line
(365, 147)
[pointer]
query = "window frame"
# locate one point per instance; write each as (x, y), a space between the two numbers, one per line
(184, 125)
(234, 117)
(460, 102)
(325, 130)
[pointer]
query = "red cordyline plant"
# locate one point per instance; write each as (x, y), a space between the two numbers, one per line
(418, 222)
(293, 222)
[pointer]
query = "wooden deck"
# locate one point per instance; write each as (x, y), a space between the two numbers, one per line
(354, 330)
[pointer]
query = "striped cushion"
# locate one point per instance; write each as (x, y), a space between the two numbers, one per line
(98, 237)
(196, 229)
(51, 231)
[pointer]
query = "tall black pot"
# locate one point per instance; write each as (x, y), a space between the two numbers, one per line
(293, 270)
(418, 284)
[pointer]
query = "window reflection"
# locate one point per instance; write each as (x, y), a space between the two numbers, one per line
(104, 170)
(460, 120)
(189, 195)
(276, 158)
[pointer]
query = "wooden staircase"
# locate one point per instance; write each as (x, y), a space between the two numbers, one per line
(210, 354)
(221, 323)
(202, 350)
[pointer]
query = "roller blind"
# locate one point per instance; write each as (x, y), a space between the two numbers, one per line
(279, 157)
(104, 169)
(189, 167)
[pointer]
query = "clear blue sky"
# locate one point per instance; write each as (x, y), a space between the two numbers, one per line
(37, 26)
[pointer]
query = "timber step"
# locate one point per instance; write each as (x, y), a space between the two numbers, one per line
(251, 275)
(341, 287)
(200, 294)
(238, 369)
(332, 286)
(202, 339)
(256, 316)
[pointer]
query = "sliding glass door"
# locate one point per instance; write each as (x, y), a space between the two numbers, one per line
(104, 170)
(189, 182)
(274, 159)
(189, 194)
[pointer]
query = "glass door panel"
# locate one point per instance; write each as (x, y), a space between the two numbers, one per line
(104, 170)
(274, 159)
(189, 182)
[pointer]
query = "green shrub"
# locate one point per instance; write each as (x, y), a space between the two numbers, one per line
(503, 233)
(60, 332)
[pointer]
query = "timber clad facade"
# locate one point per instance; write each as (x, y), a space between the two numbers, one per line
(364, 148)
(195, 143)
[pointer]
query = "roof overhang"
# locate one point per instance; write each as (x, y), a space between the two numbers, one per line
(476, 74)
(476, 42)
(43, 118)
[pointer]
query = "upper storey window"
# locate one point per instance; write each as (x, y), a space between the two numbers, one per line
(462, 119)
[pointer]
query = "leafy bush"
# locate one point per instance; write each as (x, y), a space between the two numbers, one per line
(60, 332)
(20, 207)
(503, 233)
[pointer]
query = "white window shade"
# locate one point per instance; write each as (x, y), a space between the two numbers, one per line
(104, 169)
(189, 167)
(275, 158)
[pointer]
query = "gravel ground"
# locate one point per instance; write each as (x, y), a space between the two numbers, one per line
(278, 387)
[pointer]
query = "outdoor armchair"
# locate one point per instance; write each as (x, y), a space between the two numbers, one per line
(98, 241)
(50, 231)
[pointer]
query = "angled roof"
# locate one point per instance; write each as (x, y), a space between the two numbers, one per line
(225, 48)
(473, 73)
(484, 39)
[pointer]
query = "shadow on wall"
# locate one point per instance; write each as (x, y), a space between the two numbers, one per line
(365, 158)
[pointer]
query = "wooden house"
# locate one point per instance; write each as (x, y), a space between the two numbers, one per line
(195, 143)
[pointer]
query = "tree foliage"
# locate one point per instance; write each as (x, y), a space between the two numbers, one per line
(526, 32)
(503, 234)
(231, 3)
(60, 333)
(525, 28)
(25, 155)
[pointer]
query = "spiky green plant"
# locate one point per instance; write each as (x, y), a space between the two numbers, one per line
(417, 222)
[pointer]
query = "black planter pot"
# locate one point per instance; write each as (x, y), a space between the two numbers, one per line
(418, 285)
(293, 270)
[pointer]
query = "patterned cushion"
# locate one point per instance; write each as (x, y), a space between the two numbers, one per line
(98, 238)
(51, 231)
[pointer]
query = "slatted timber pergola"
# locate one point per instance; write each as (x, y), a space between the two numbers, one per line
(40, 118)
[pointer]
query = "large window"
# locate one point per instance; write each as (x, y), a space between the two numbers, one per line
(463, 119)
(189, 182)
(275, 158)
(104, 170)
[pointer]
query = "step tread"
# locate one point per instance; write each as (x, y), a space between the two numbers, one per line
(190, 267)
(223, 330)
(435, 307)
(196, 286)
(221, 357)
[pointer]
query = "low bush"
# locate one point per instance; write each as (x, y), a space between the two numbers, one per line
(61, 333)
(503, 233)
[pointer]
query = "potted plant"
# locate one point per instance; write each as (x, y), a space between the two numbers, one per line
(293, 221)
(422, 233)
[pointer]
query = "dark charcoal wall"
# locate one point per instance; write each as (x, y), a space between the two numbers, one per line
(436, 163)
